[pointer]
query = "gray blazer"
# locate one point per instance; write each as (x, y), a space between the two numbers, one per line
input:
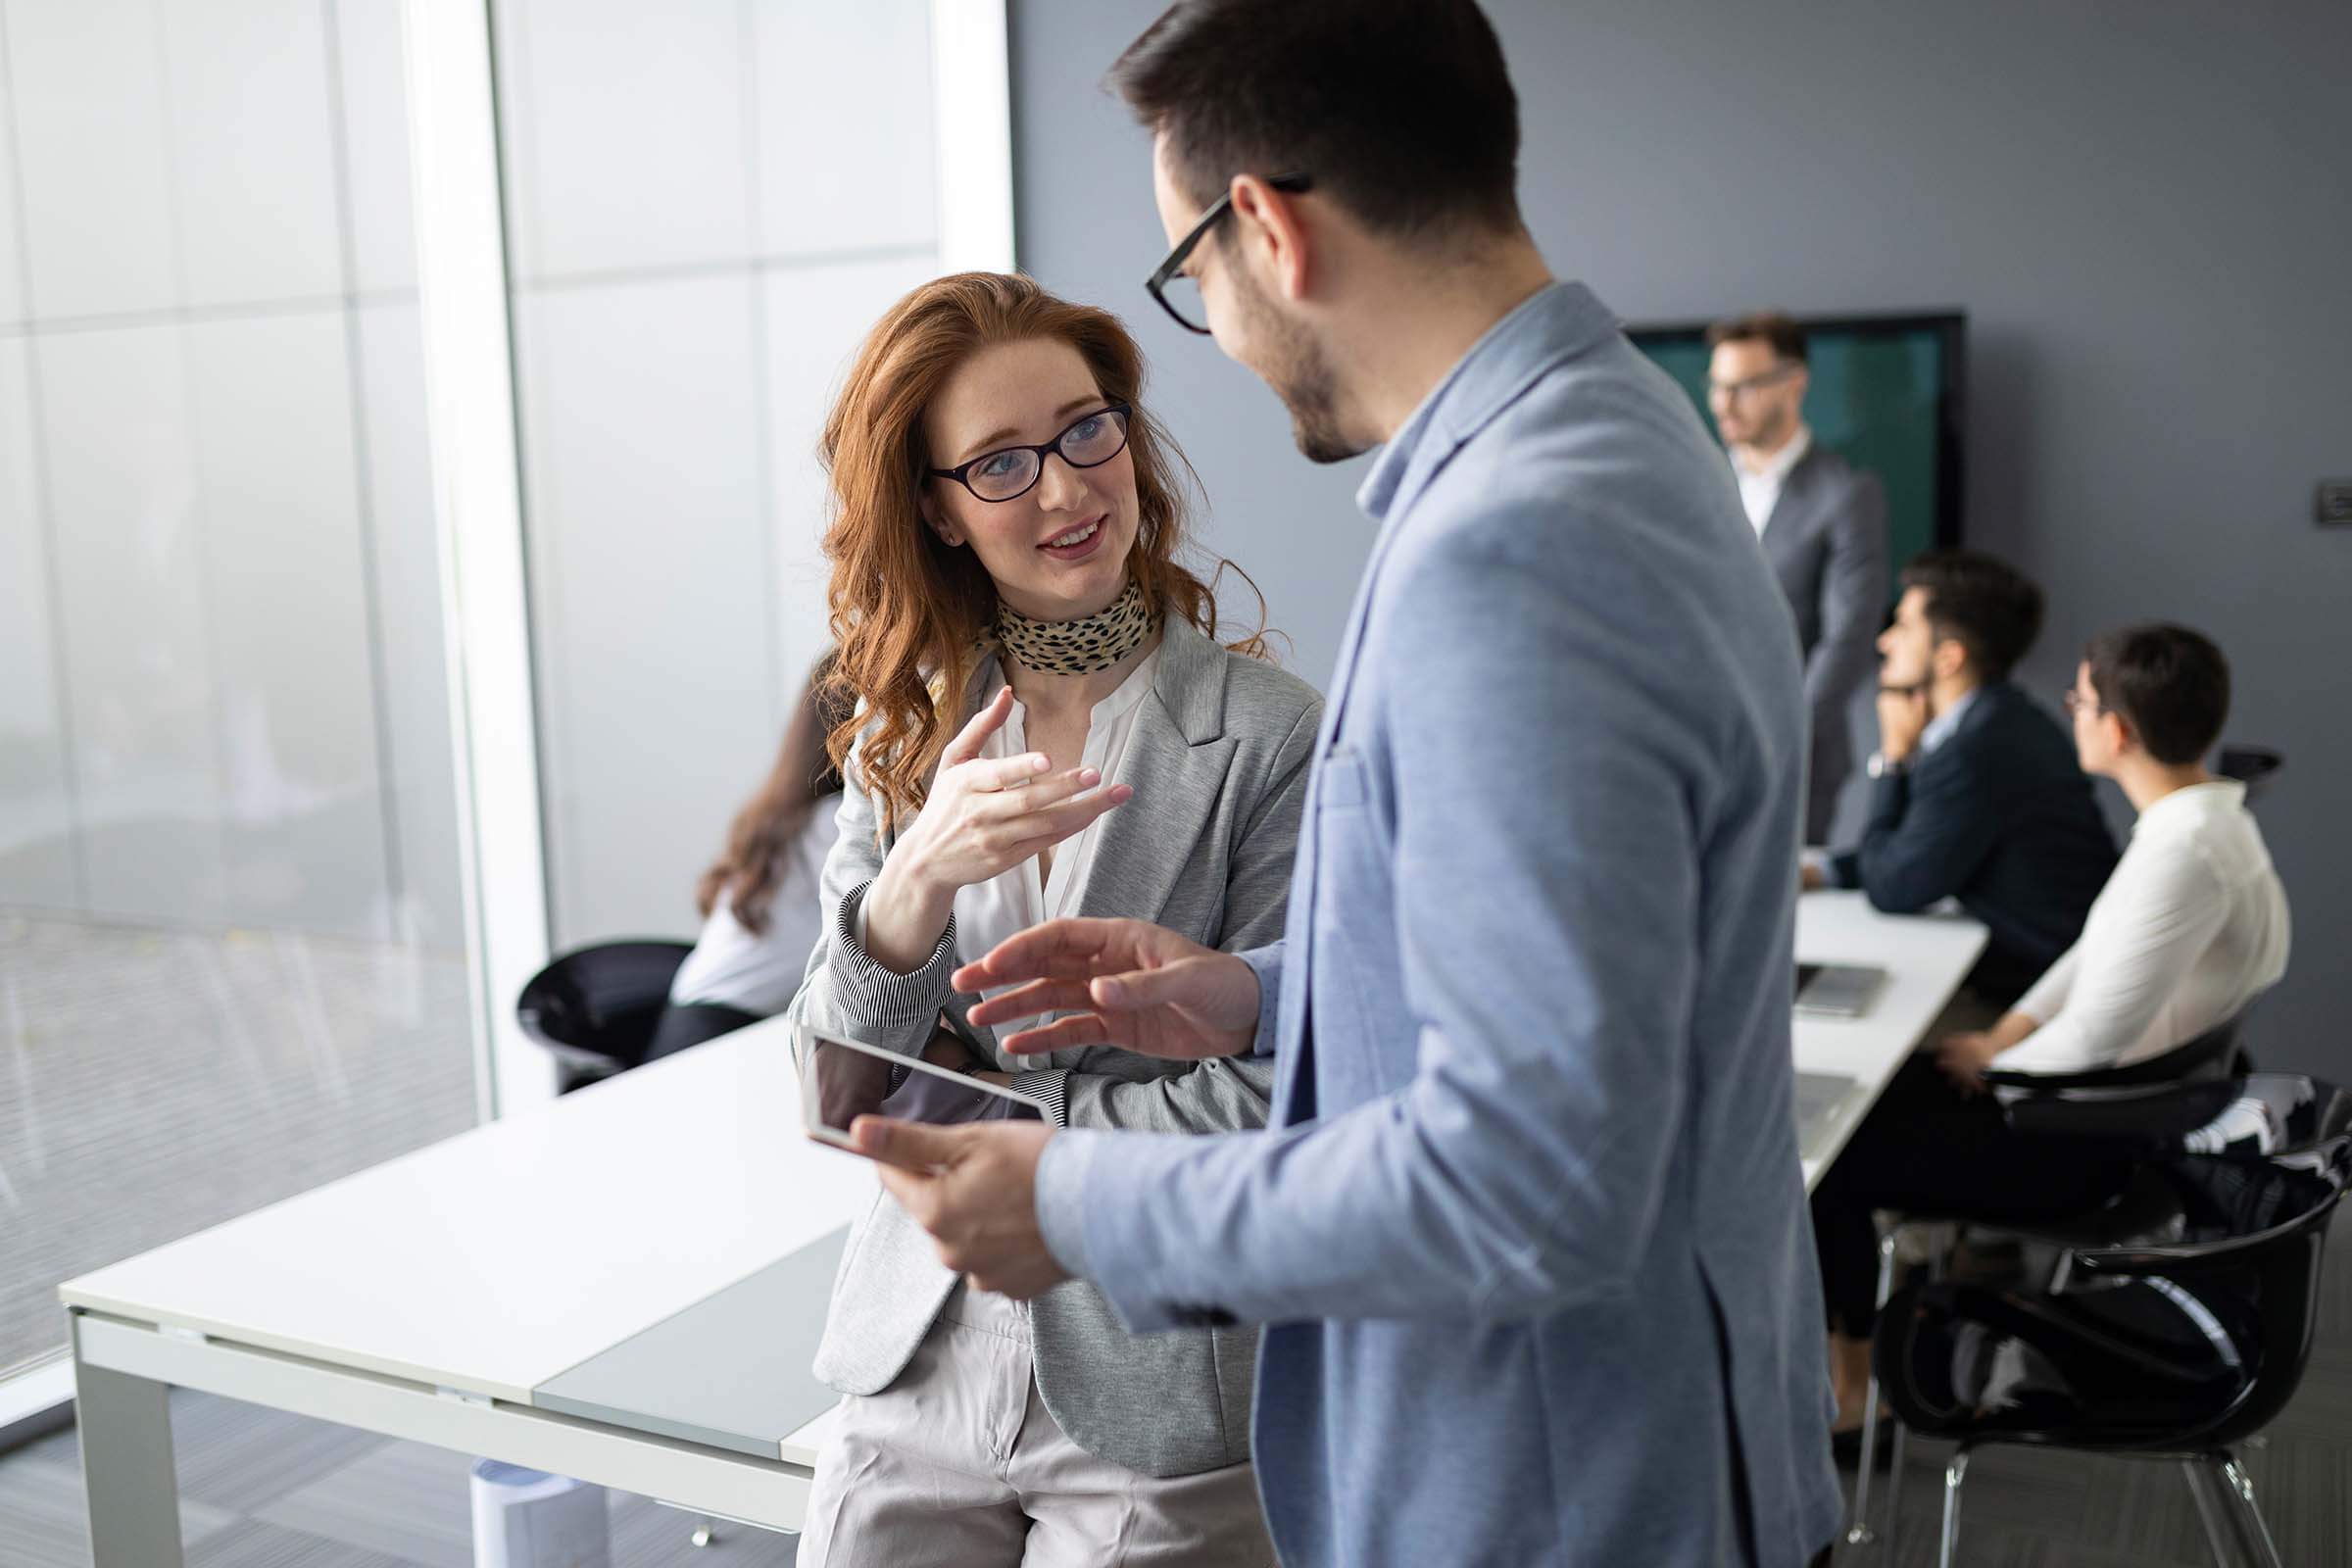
(1219, 762)
(1827, 542)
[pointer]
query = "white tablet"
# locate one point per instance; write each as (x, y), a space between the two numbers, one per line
(842, 1079)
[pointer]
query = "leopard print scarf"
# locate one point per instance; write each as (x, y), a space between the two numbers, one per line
(1078, 646)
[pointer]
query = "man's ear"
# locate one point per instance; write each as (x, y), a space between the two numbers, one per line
(1270, 228)
(1946, 658)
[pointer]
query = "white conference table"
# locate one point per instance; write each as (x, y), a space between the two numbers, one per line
(437, 1297)
(1925, 956)
(552, 1290)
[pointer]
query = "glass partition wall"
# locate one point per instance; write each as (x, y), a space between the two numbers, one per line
(408, 538)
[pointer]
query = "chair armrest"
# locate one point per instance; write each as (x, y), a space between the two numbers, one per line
(2153, 1119)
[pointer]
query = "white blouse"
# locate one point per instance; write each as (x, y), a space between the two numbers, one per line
(1011, 902)
(759, 973)
(2192, 927)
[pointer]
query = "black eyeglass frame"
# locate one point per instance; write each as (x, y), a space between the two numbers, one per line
(1295, 184)
(962, 472)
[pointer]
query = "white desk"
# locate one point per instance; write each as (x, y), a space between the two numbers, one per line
(428, 1298)
(1925, 956)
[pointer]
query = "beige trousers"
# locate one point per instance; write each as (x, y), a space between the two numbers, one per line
(957, 1464)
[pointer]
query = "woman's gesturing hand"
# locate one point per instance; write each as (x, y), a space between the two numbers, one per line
(984, 816)
(987, 814)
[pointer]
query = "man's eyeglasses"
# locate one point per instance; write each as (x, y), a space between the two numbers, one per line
(1733, 391)
(2073, 702)
(1178, 291)
(1011, 472)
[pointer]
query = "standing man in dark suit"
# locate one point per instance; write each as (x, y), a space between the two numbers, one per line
(1978, 795)
(1824, 527)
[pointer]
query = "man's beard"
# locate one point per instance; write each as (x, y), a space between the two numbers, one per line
(1300, 374)
(1773, 430)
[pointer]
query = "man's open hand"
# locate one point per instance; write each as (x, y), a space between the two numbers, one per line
(1127, 983)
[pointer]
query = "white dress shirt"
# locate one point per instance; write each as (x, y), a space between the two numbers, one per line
(2191, 926)
(758, 972)
(1760, 490)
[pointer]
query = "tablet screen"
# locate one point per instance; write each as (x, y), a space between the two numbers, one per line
(842, 1080)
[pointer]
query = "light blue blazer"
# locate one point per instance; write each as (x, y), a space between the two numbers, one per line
(1529, 1217)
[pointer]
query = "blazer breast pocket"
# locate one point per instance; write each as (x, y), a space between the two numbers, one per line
(1356, 999)
(1340, 783)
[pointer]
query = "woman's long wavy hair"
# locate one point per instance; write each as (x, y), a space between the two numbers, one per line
(909, 612)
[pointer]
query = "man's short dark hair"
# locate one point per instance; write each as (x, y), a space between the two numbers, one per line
(1985, 604)
(1400, 110)
(1787, 338)
(2171, 685)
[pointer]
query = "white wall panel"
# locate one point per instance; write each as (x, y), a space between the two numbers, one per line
(132, 576)
(86, 82)
(279, 498)
(624, 133)
(12, 271)
(816, 317)
(36, 850)
(408, 586)
(649, 588)
(252, 149)
(844, 106)
(375, 132)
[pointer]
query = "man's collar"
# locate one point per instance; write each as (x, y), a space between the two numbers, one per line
(1556, 323)
(1776, 466)
(1944, 725)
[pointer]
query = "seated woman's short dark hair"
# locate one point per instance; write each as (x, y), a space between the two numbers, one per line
(2169, 684)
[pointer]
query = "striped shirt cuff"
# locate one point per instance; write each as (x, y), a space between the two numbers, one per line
(1051, 1084)
(877, 997)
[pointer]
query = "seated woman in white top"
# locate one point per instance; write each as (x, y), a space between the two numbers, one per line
(2193, 925)
(762, 911)
(2189, 929)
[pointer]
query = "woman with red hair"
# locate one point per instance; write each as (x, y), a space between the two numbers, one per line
(1045, 725)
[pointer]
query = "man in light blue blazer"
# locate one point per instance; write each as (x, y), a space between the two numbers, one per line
(1529, 1223)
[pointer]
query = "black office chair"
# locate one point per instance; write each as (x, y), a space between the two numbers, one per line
(2178, 1349)
(2117, 1102)
(604, 1009)
(2254, 767)
(2137, 1109)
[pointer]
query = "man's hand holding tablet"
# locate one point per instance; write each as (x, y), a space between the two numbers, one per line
(844, 1079)
(974, 1186)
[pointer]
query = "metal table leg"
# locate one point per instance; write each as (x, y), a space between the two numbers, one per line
(127, 1469)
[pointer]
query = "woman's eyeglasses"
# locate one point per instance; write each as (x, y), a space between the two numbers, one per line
(1011, 472)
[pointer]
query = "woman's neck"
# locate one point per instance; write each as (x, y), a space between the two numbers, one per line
(1045, 692)
(2145, 781)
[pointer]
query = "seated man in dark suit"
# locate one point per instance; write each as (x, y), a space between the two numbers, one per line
(1978, 795)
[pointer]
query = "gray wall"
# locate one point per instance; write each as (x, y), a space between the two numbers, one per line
(2145, 209)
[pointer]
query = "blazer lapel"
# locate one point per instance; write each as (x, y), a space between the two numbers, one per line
(1782, 535)
(1176, 762)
